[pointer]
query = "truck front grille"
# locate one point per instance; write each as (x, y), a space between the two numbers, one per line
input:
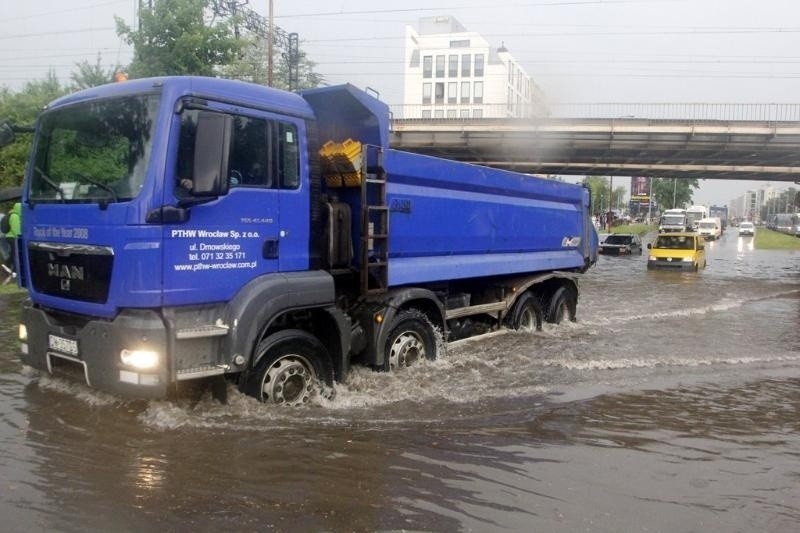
(75, 271)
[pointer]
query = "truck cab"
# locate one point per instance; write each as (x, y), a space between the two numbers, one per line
(672, 220)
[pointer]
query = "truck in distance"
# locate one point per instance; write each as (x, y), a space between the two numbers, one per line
(672, 220)
(183, 228)
(694, 215)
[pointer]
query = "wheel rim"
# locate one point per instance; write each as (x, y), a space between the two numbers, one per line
(527, 320)
(290, 380)
(407, 348)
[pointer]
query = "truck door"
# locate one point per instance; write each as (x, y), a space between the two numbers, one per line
(256, 228)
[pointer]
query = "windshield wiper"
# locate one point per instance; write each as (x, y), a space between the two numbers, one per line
(50, 182)
(109, 190)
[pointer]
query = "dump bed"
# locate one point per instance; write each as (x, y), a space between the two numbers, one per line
(446, 219)
(451, 220)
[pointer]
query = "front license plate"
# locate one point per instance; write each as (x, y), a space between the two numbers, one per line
(60, 344)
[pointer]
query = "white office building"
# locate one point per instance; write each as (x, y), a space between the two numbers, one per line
(454, 73)
(748, 206)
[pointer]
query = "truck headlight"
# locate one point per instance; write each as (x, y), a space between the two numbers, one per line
(687, 259)
(651, 258)
(141, 359)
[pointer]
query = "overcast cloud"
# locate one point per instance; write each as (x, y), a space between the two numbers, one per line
(716, 51)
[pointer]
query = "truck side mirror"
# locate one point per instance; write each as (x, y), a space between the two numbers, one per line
(6, 134)
(211, 150)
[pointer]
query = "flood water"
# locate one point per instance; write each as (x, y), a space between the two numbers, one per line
(671, 405)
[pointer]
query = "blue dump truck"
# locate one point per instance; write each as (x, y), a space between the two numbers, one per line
(183, 228)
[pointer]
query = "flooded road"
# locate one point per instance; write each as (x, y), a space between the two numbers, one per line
(671, 405)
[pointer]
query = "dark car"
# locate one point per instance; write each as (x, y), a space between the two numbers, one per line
(621, 244)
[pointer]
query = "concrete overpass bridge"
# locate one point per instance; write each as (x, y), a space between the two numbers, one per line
(716, 141)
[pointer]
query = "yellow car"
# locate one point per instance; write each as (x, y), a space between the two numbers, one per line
(684, 251)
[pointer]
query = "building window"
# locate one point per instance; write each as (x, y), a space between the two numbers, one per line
(460, 44)
(426, 113)
(451, 113)
(440, 66)
(465, 113)
(439, 113)
(427, 66)
(478, 65)
(466, 65)
(509, 99)
(452, 93)
(452, 66)
(477, 113)
(477, 92)
(439, 93)
(464, 92)
(426, 93)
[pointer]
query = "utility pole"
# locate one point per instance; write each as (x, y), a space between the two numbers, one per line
(269, 46)
(610, 201)
(674, 190)
(650, 200)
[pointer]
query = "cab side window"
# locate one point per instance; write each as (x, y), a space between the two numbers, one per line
(263, 153)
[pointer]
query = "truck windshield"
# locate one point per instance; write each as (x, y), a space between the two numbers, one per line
(691, 218)
(673, 220)
(93, 152)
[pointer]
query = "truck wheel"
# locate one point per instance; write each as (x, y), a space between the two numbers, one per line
(527, 314)
(562, 305)
(411, 338)
(292, 370)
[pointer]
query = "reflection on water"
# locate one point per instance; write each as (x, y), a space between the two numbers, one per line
(744, 243)
(670, 405)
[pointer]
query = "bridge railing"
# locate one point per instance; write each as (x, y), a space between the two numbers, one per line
(695, 112)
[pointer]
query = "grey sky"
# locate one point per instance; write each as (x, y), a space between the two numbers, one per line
(720, 51)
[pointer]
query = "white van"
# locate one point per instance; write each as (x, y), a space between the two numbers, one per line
(710, 228)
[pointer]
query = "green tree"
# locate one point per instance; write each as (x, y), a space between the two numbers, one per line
(603, 198)
(176, 38)
(674, 192)
(251, 66)
(89, 75)
(21, 109)
(787, 201)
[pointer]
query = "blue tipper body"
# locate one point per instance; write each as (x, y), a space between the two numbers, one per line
(452, 220)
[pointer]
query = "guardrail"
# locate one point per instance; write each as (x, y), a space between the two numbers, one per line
(692, 112)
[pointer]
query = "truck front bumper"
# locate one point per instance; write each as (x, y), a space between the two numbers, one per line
(92, 350)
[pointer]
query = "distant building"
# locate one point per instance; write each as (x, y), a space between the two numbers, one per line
(454, 73)
(748, 206)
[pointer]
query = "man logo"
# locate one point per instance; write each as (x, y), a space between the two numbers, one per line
(65, 272)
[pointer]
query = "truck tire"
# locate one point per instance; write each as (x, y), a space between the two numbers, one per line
(410, 339)
(562, 305)
(291, 370)
(527, 313)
